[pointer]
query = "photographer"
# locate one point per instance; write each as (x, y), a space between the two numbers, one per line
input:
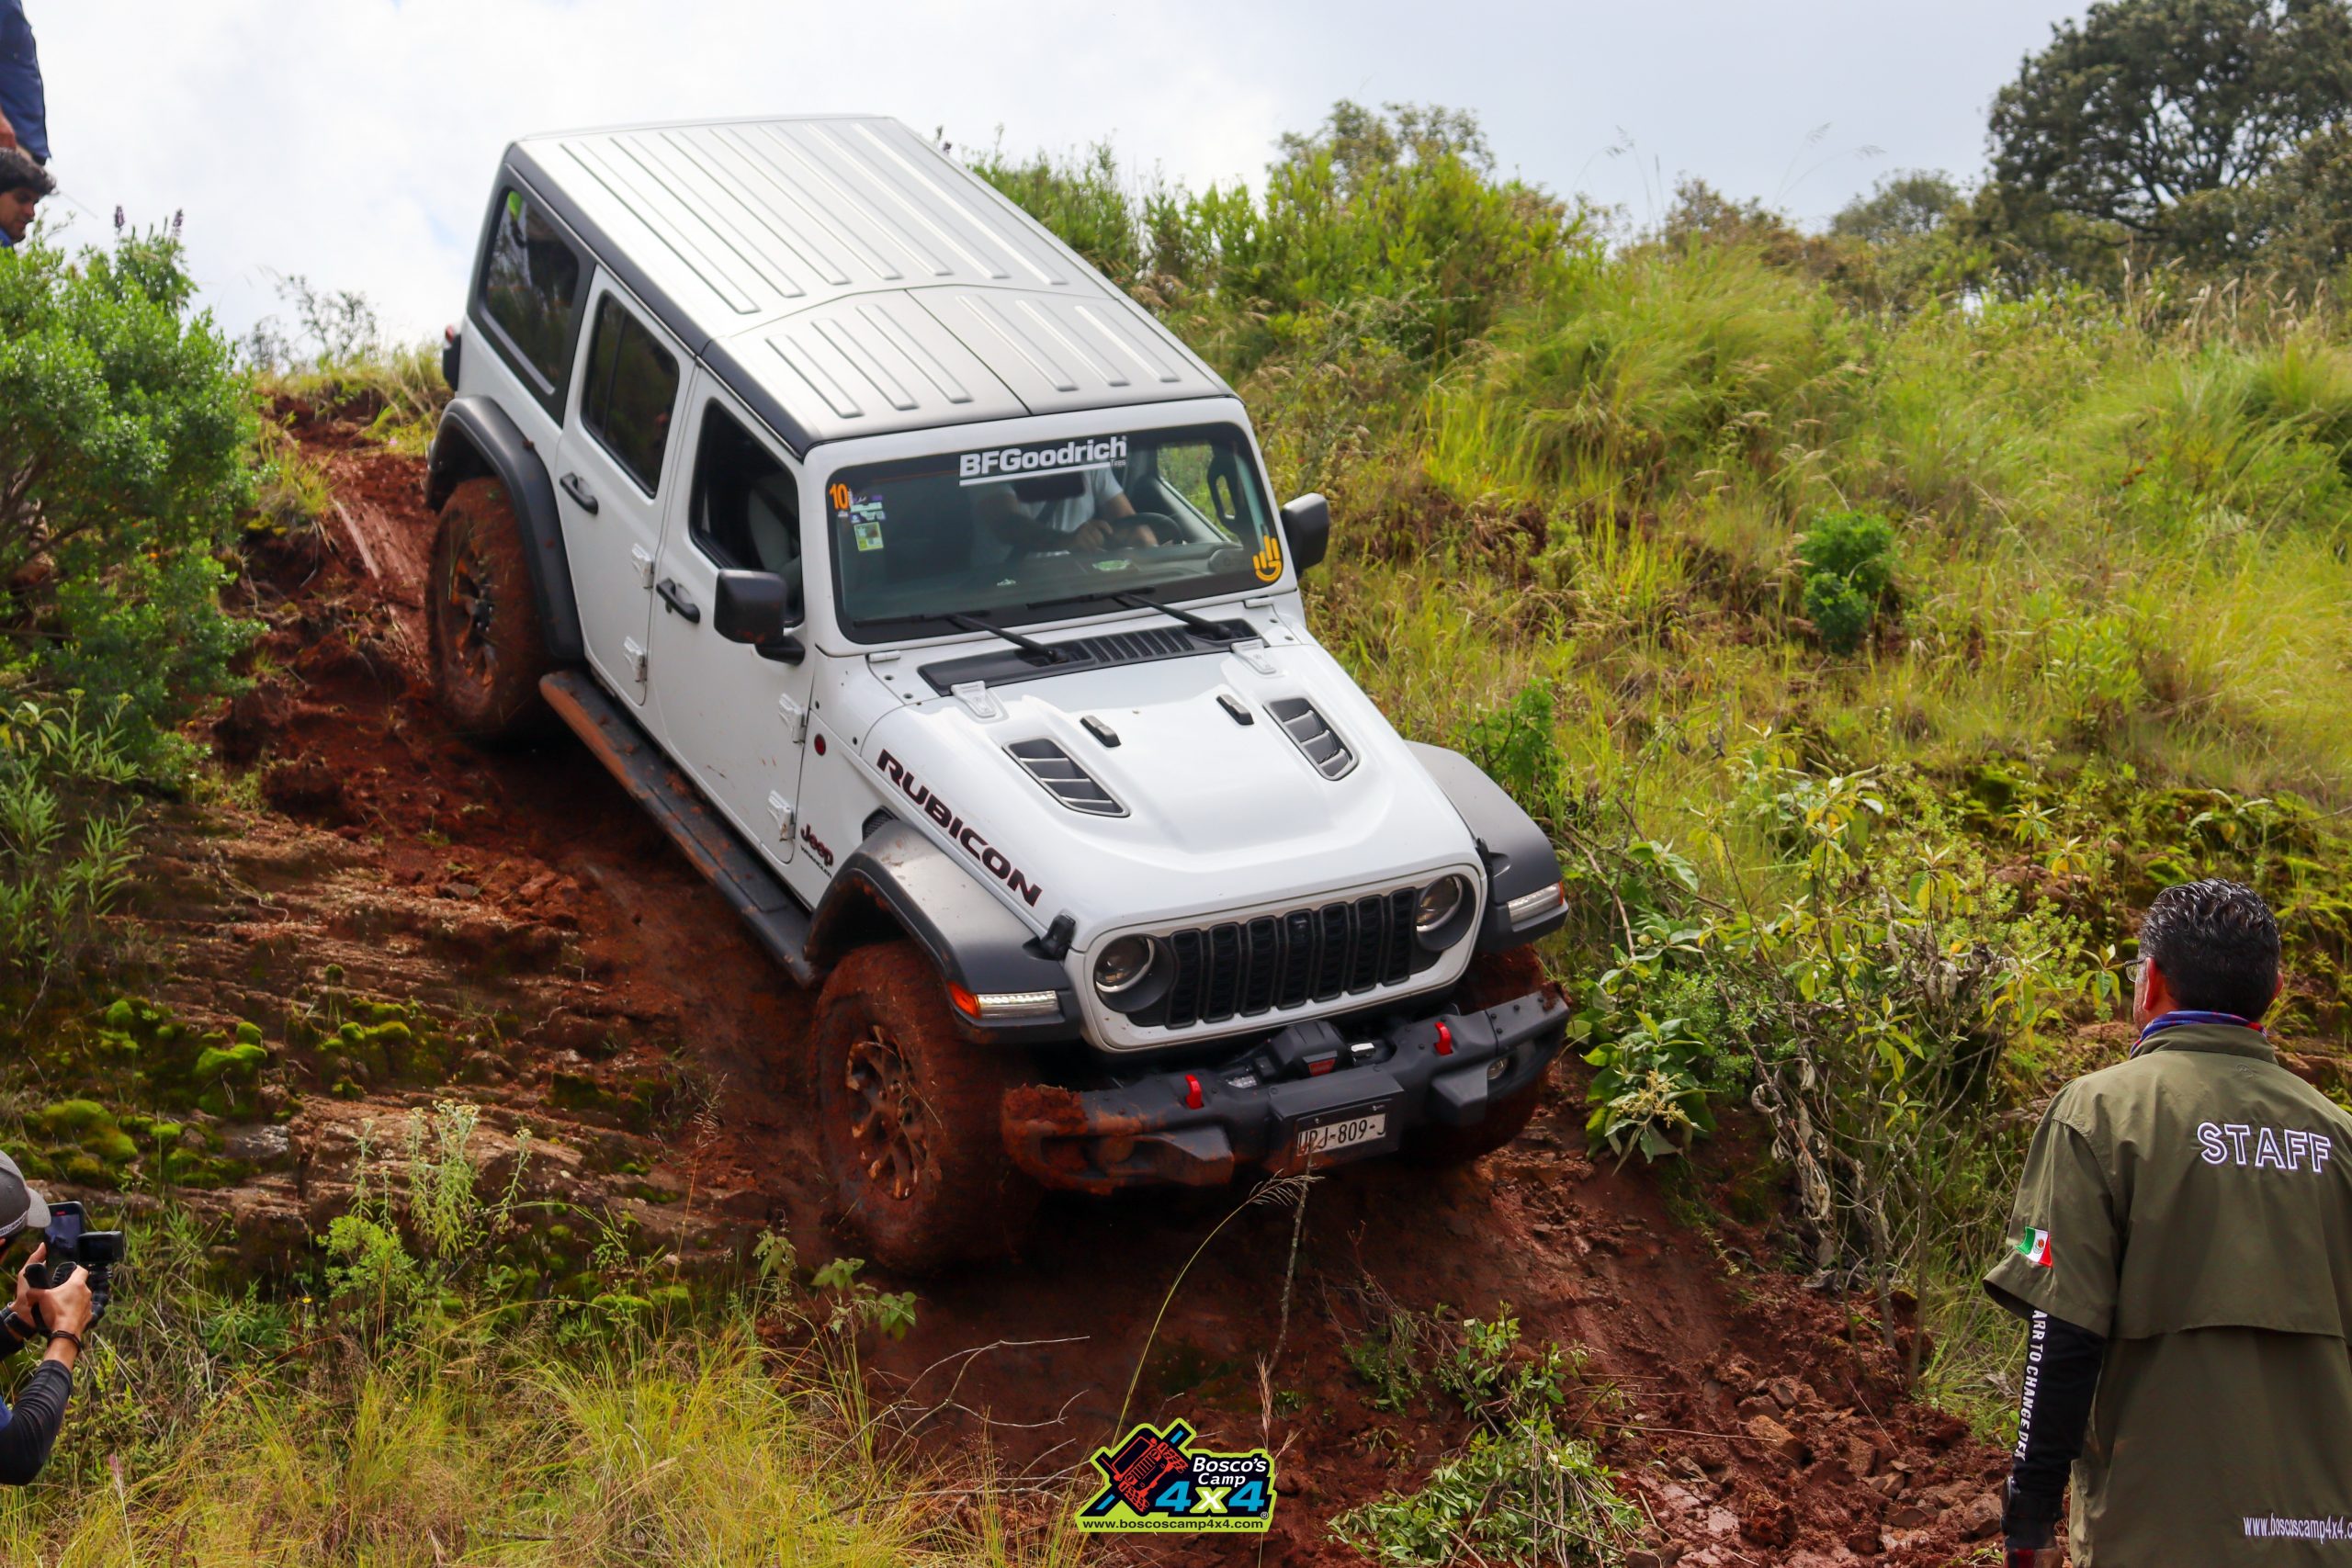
(61, 1315)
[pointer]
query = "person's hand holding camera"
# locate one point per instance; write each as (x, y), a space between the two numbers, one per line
(27, 1306)
(66, 1308)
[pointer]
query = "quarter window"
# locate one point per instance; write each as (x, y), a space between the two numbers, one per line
(746, 507)
(531, 290)
(631, 389)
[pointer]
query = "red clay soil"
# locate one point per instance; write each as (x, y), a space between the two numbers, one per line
(1749, 1425)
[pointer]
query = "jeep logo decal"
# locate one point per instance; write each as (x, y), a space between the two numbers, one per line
(967, 837)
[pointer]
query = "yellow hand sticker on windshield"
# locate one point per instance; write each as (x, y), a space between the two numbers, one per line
(1268, 562)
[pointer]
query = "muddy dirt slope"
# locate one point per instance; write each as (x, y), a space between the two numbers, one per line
(558, 963)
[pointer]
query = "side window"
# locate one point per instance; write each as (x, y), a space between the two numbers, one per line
(531, 291)
(632, 386)
(746, 509)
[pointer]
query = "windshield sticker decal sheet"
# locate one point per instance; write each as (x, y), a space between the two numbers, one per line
(865, 517)
(1069, 457)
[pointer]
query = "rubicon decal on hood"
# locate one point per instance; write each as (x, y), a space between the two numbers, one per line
(967, 838)
(1069, 457)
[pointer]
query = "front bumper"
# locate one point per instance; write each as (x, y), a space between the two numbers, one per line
(1444, 1070)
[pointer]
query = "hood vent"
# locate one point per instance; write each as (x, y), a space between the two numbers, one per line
(1064, 779)
(1313, 734)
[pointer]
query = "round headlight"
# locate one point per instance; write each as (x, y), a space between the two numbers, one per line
(1439, 903)
(1121, 966)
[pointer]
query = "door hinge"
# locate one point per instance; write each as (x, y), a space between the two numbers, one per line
(644, 560)
(781, 809)
(796, 719)
(635, 654)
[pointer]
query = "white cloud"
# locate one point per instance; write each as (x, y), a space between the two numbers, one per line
(354, 140)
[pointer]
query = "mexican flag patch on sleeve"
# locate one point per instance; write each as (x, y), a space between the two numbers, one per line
(2035, 1247)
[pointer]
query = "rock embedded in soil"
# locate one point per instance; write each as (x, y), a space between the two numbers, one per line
(1777, 1439)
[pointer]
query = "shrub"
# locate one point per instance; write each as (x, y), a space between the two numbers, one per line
(1400, 208)
(1847, 575)
(122, 439)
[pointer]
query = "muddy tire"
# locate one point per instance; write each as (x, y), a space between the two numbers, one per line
(488, 652)
(1492, 977)
(911, 1116)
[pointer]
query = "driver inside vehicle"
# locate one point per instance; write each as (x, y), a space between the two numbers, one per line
(1080, 510)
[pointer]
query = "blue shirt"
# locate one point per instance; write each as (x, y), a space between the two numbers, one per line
(22, 97)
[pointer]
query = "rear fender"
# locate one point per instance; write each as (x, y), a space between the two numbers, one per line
(477, 440)
(898, 882)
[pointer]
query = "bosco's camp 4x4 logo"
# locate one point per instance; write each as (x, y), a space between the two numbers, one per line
(1156, 1482)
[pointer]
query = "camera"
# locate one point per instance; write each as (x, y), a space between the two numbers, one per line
(72, 1247)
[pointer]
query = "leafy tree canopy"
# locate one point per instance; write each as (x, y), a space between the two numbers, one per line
(2146, 103)
(1364, 143)
(1910, 204)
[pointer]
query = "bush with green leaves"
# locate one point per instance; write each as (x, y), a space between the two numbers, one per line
(123, 433)
(1518, 746)
(1847, 575)
(1399, 206)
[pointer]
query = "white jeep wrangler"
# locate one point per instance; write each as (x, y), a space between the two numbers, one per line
(928, 592)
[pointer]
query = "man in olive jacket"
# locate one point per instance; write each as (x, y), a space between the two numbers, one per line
(2182, 1246)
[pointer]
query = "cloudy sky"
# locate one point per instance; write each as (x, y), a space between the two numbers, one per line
(352, 140)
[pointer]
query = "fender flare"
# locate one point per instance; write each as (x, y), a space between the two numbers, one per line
(477, 439)
(1518, 855)
(899, 882)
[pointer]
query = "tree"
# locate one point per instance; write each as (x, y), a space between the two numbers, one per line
(1363, 144)
(1910, 204)
(2148, 105)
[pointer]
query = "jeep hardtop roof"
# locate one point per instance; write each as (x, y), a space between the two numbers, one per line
(847, 278)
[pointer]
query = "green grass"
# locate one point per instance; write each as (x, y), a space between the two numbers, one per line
(402, 1405)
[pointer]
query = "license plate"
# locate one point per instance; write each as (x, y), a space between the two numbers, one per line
(1329, 1139)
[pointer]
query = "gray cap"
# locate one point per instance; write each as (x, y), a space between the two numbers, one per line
(21, 1208)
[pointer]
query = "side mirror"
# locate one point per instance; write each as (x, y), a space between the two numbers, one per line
(1306, 525)
(751, 606)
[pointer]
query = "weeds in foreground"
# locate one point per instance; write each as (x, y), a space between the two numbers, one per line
(1521, 1490)
(415, 1406)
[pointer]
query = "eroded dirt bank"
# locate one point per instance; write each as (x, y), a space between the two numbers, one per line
(568, 972)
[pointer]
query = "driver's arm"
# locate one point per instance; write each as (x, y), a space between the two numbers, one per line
(1002, 514)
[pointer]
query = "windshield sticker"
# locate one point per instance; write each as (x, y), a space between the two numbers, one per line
(1069, 457)
(1117, 563)
(865, 518)
(1268, 563)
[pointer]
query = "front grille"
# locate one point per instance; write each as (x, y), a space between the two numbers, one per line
(1243, 968)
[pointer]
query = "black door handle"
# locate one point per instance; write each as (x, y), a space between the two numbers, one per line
(679, 601)
(576, 488)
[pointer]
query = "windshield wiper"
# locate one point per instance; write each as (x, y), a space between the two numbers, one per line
(1028, 644)
(1201, 624)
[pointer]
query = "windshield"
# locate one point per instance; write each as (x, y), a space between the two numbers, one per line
(1038, 531)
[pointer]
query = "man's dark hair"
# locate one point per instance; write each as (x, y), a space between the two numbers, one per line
(2216, 943)
(18, 172)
